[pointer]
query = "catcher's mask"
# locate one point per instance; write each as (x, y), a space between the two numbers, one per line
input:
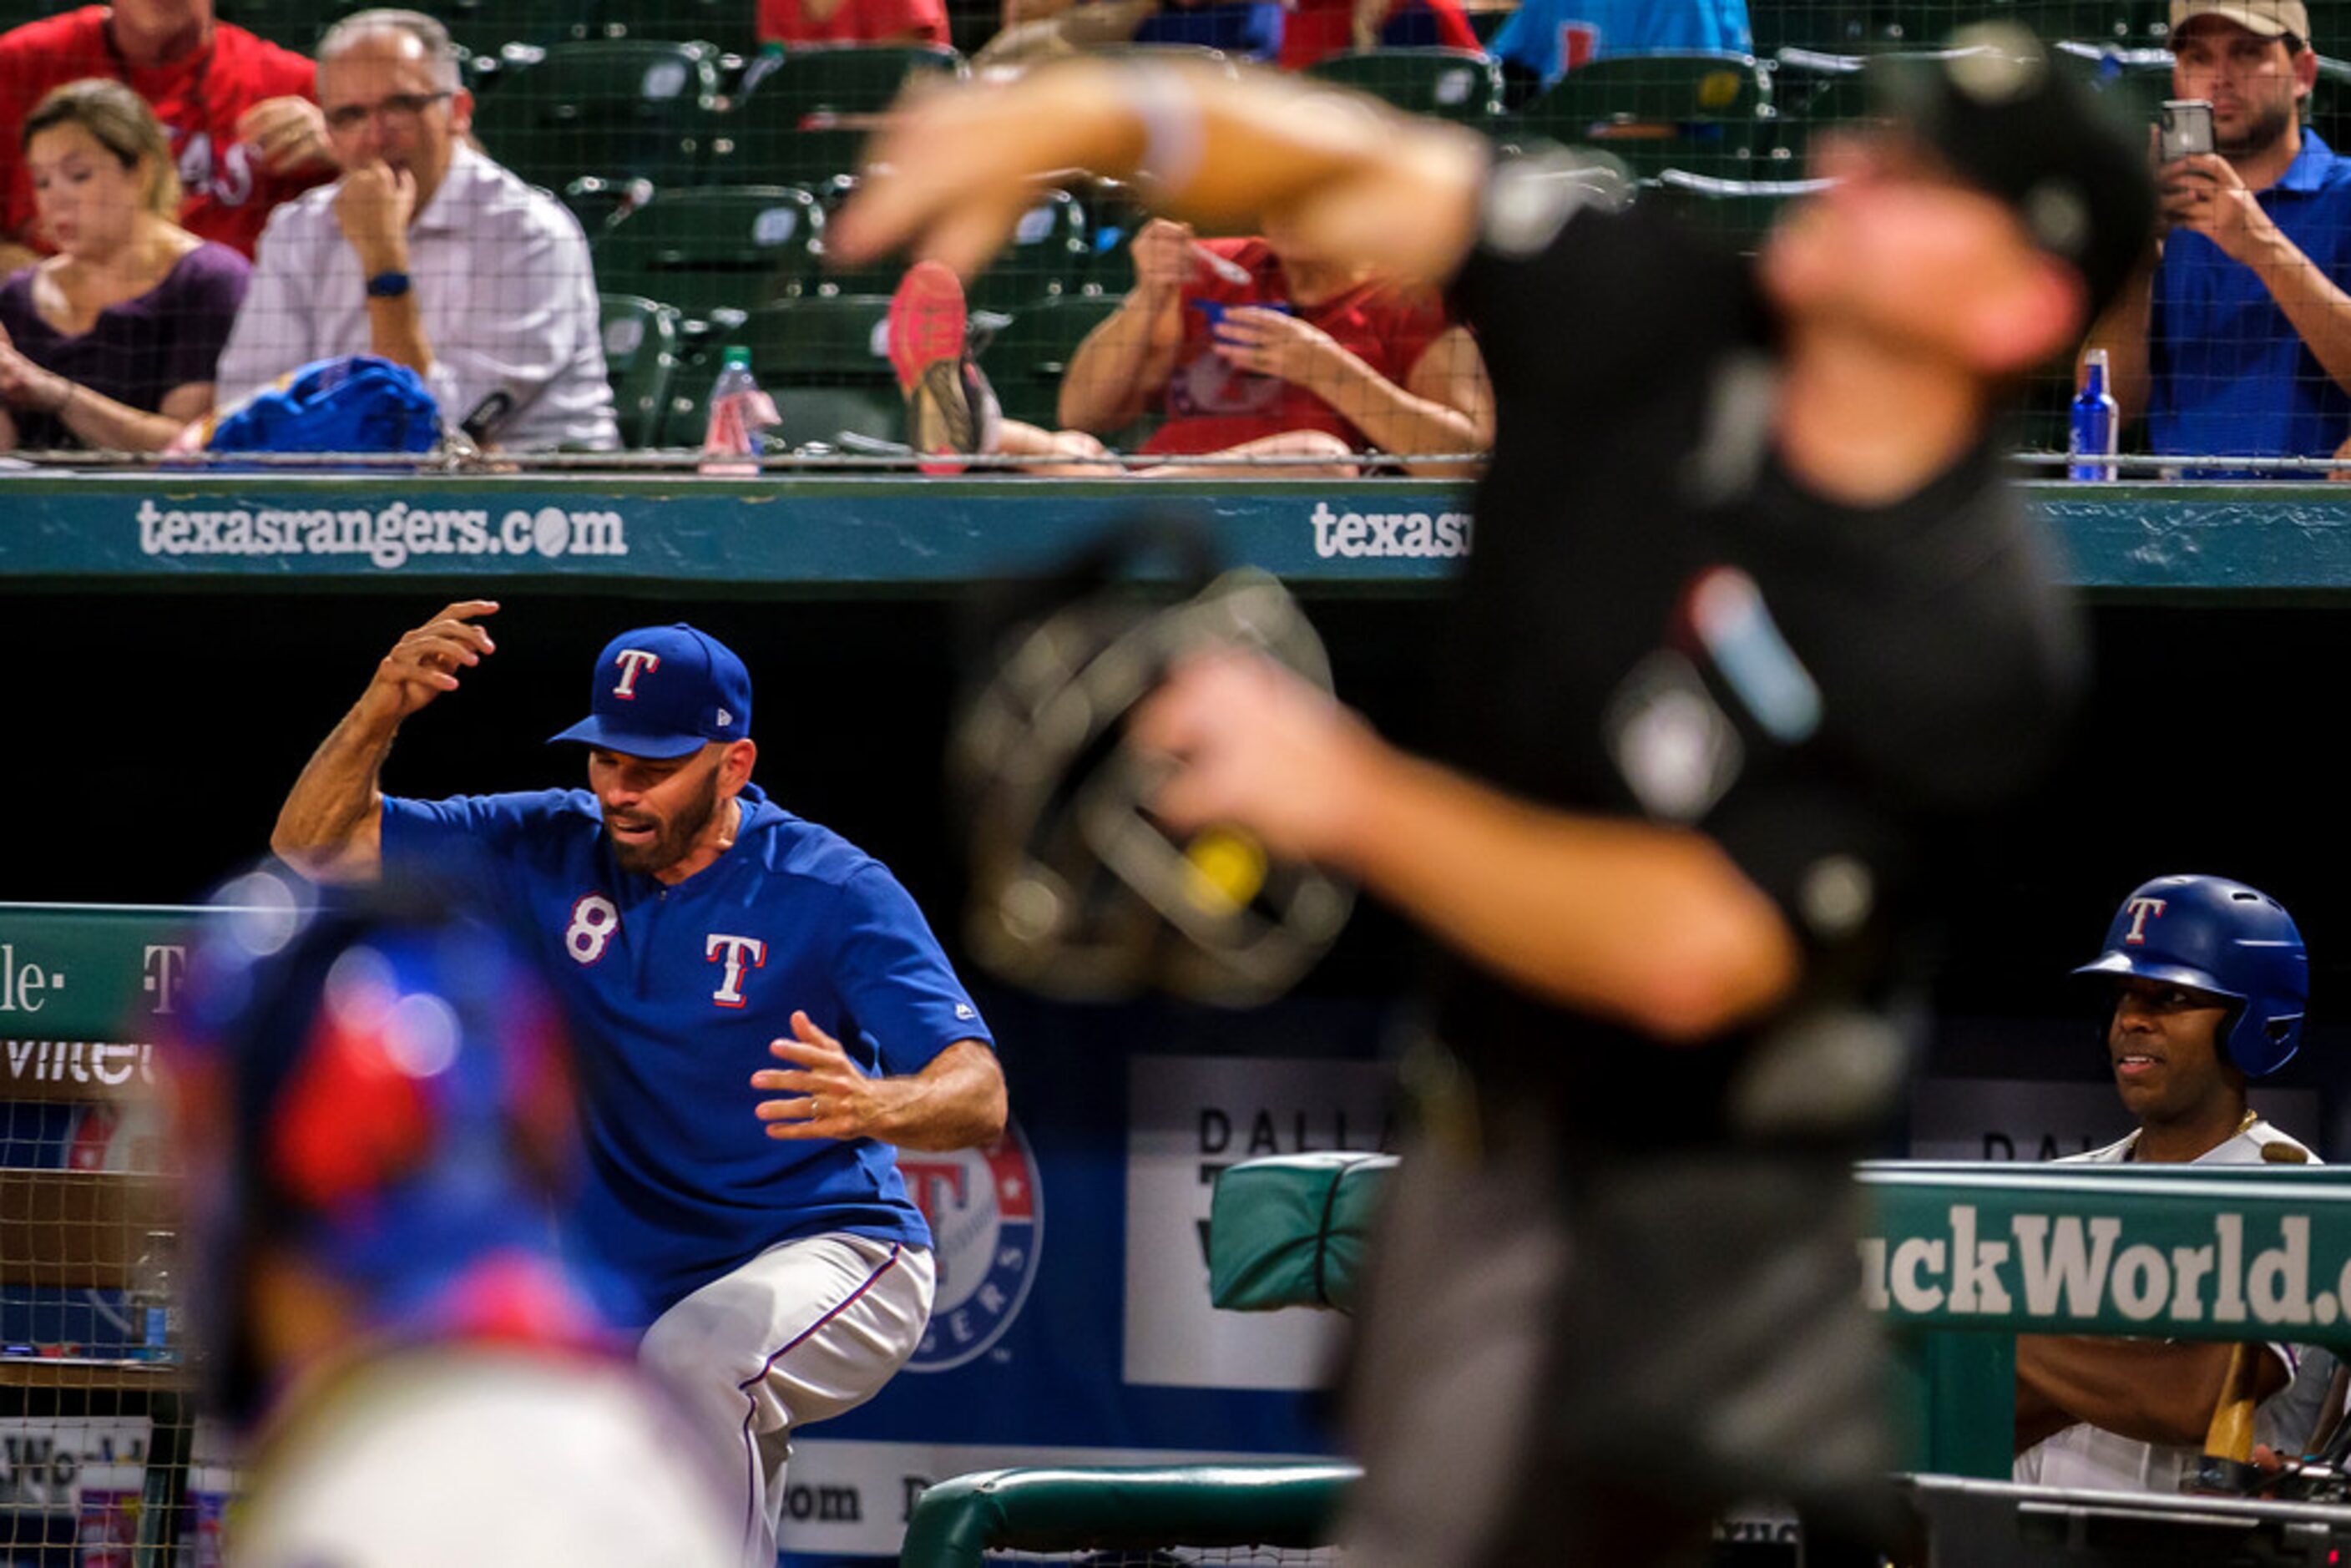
(1078, 892)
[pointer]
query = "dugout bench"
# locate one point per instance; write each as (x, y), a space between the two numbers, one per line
(1959, 1258)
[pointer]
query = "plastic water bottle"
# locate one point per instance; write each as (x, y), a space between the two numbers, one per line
(2094, 422)
(154, 1310)
(738, 412)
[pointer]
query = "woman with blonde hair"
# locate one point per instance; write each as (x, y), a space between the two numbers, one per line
(109, 344)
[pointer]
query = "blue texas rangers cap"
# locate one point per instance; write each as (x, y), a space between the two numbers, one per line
(665, 691)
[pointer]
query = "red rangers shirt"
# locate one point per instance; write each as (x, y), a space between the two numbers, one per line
(199, 98)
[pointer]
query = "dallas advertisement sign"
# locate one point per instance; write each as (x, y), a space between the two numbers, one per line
(2185, 1252)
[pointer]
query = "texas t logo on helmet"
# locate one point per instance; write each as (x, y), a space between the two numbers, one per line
(2228, 940)
(2138, 909)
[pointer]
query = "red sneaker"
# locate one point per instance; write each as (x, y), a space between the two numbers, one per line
(927, 351)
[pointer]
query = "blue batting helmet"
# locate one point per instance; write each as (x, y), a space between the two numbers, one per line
(383, 1090)
(2224, 937)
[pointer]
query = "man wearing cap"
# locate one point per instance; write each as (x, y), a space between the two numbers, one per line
(2238, 343)
(763, 1015)
(1752, 632)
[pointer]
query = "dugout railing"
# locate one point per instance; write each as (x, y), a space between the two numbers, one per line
(1959, 1259)
(802, 536)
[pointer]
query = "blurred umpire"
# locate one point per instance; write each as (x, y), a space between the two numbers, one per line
(1752, 627)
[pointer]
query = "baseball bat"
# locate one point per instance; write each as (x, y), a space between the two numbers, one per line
(2227, 1466)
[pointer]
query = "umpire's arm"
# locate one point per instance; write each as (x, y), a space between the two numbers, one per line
(330, 828)
(1654, 925)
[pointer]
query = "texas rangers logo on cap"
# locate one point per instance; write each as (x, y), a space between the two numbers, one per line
(666, 691)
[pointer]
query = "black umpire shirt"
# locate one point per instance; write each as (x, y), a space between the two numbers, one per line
(1657, 621)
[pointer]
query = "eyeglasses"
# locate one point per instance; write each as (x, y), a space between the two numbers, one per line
(399, 107)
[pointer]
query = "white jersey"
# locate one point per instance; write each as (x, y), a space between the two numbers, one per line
(2089, 1457)
(484, 1455)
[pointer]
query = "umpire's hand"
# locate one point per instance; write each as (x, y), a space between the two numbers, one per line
(1255, 745)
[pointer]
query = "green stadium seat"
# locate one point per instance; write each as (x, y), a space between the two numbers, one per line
(1707, 113)
(1836, 27)
(615, 109)
(1450, 84)
(1739, 212)
(295, 23)
(1027, 360)
(707, 248)
(1049, 253)
(825, 362)
(731, 24)
(806, 119)
(640, 356)
(485, 27)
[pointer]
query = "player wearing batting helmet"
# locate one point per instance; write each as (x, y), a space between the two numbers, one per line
(2209, 980)
(372, 1101)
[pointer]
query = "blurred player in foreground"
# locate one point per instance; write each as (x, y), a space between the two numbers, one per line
(764, 1018)
(2209, 978)
(1752, 624)
(374, 1105)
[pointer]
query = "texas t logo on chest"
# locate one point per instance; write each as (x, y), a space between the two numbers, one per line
(738, 954)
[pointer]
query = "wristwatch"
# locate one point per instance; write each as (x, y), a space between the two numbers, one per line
(387, 285)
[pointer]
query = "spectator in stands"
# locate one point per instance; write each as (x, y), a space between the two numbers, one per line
(245, 134)
(427, 253)
(1259, 347)
(1546, 39)
(1245, 29)
(798, 24)
(2209, 979)
(111, 343)
(2238, 343)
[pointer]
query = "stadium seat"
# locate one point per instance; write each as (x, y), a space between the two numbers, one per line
(1451, 84)
(1838, 26)
(707, 248)
(485, 27)
(825, 362)
(295, 23)
(1027, 359)
(615, 109)
(1050, 253)
(1738, 212)
(1706, 113)
(731, 24)
(640, 357)
(808, 116)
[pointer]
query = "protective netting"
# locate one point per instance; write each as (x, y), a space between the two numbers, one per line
(100, 1455)
(701, 149)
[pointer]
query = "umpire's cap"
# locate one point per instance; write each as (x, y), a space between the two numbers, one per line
(2018, 121)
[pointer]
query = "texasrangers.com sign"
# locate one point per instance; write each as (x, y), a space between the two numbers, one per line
(2187, 1252)
(387, 536)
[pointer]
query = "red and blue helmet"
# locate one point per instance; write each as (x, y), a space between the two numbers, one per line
(2221, 936)
(381, 1089)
